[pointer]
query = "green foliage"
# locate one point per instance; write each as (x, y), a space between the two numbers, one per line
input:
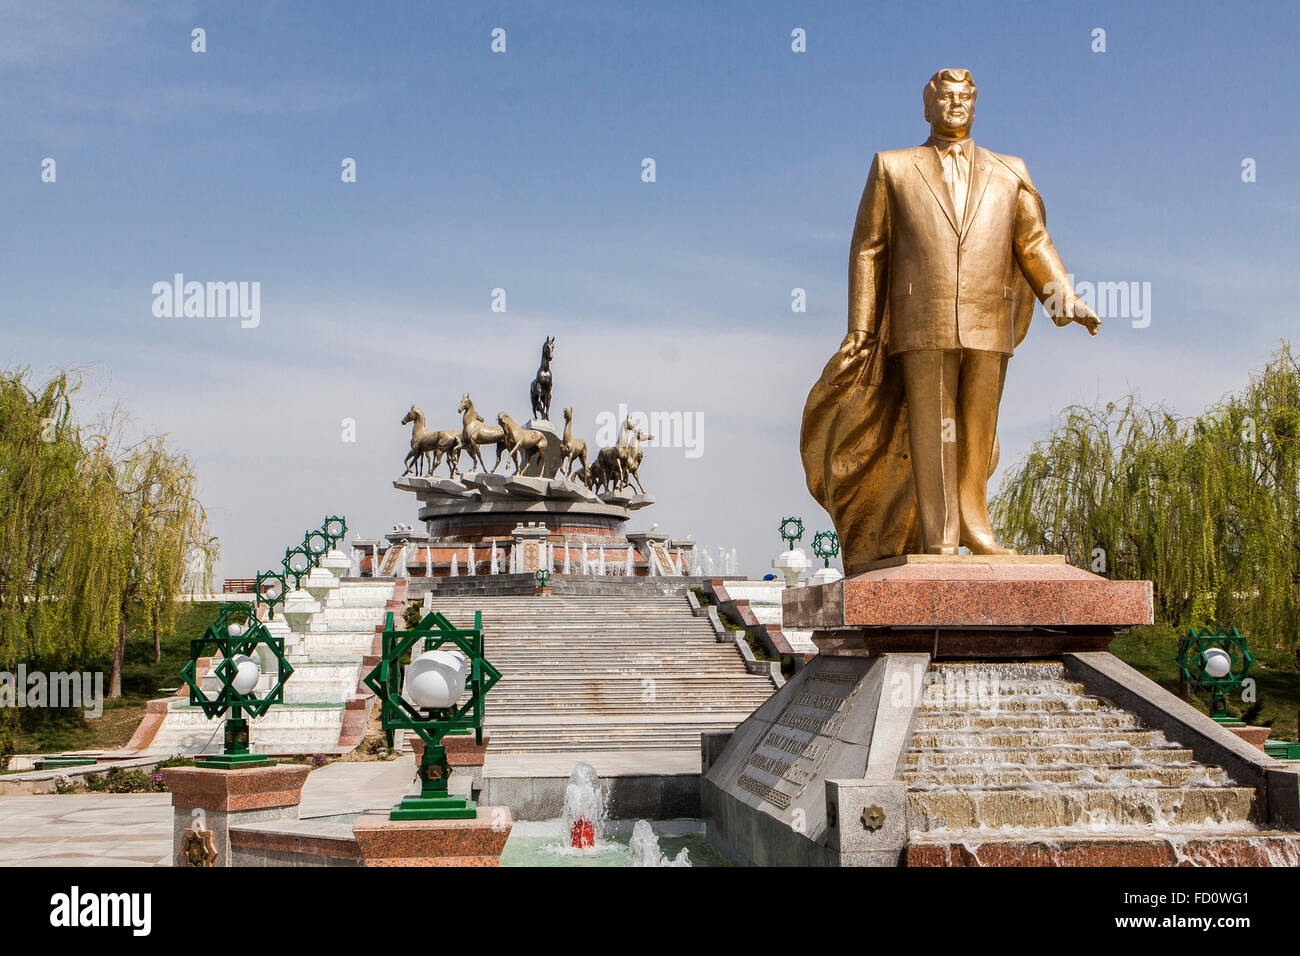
(123, 780)
(51, 730)
(1207, 509)
(96, 534)
(57, 562)
(412, 615)
(177, 760)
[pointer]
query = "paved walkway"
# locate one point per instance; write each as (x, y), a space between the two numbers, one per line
(86, 829)
(135, 829)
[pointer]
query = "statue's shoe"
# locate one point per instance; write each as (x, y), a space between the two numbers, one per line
(981, 542)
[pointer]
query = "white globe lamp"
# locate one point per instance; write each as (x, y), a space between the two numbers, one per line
(1218, 663)
(436, 679)
(247, 673)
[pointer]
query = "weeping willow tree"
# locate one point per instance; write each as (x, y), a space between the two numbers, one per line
(159, 538)
(96, 535)
(1206, 508)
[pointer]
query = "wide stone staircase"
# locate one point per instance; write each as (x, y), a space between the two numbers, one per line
(1013, 764)
(327, 663)
(584, 673)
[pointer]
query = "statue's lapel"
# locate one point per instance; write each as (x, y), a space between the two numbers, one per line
(979, 181)
(931, 170)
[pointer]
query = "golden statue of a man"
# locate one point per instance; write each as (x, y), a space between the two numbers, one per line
(949, 251)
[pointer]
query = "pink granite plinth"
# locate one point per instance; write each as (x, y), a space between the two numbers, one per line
(1017, 605)
(477, 842)
(235, 791)
(1255, 736)
(462, 751)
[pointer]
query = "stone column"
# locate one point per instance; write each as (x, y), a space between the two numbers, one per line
(530, 544)
(207, 802)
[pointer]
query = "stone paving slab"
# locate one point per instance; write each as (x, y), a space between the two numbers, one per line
(90, 829)
(135, 829)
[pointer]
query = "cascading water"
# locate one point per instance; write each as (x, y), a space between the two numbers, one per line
(586, 808)
(643, 849)
(1014, 763)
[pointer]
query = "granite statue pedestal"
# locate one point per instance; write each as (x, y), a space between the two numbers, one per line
(814, 777)
(1008, 607)
(211, 801)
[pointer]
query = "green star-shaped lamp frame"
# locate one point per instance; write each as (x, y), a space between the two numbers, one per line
(1191, 661)
(235, 752)
(397, 713)
(335, 528)
(791, 531)
(308, 563)
(826, 544)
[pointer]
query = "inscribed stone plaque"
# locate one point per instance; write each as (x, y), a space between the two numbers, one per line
(793, 750)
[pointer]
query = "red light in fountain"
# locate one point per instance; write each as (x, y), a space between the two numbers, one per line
(583, 834)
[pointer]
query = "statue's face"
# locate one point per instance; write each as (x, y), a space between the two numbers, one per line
(953, 109)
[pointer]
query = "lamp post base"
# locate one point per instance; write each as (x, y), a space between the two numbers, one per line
(233, 761)
(435, 808)
(476, 841)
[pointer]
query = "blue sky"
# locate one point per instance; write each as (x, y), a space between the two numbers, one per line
(522, 171)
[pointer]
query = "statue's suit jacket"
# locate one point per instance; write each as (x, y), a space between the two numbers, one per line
(925, 279)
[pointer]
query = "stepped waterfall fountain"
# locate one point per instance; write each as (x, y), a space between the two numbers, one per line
(1014, 760)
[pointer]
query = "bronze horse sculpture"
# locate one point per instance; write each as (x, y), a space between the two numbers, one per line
(540, 391)
(430, 441)
(524, 444)
(631, 453)
(572, 449)
(475, 432)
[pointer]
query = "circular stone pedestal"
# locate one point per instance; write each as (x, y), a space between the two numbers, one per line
(480, 508)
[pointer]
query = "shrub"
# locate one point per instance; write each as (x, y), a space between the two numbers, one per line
(176, 760)
(412, 615)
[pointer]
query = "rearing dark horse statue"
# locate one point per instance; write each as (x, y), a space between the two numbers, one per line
(540, 392)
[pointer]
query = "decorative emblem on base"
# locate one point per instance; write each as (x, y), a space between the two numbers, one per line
(199, 847)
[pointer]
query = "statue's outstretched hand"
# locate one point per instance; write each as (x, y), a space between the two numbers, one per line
(1078, 311)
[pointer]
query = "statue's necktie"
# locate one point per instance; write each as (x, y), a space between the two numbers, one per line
(958, 180)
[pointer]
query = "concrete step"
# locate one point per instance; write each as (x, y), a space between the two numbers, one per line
(1228, 847)
(1022, 720)
(995, 703)
(1081, 774)
(1072, 756)
(1098, 807)
(1034, 671)
(1099, 737)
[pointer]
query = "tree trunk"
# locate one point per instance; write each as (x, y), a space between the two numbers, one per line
(157, 646)
(119, 652)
